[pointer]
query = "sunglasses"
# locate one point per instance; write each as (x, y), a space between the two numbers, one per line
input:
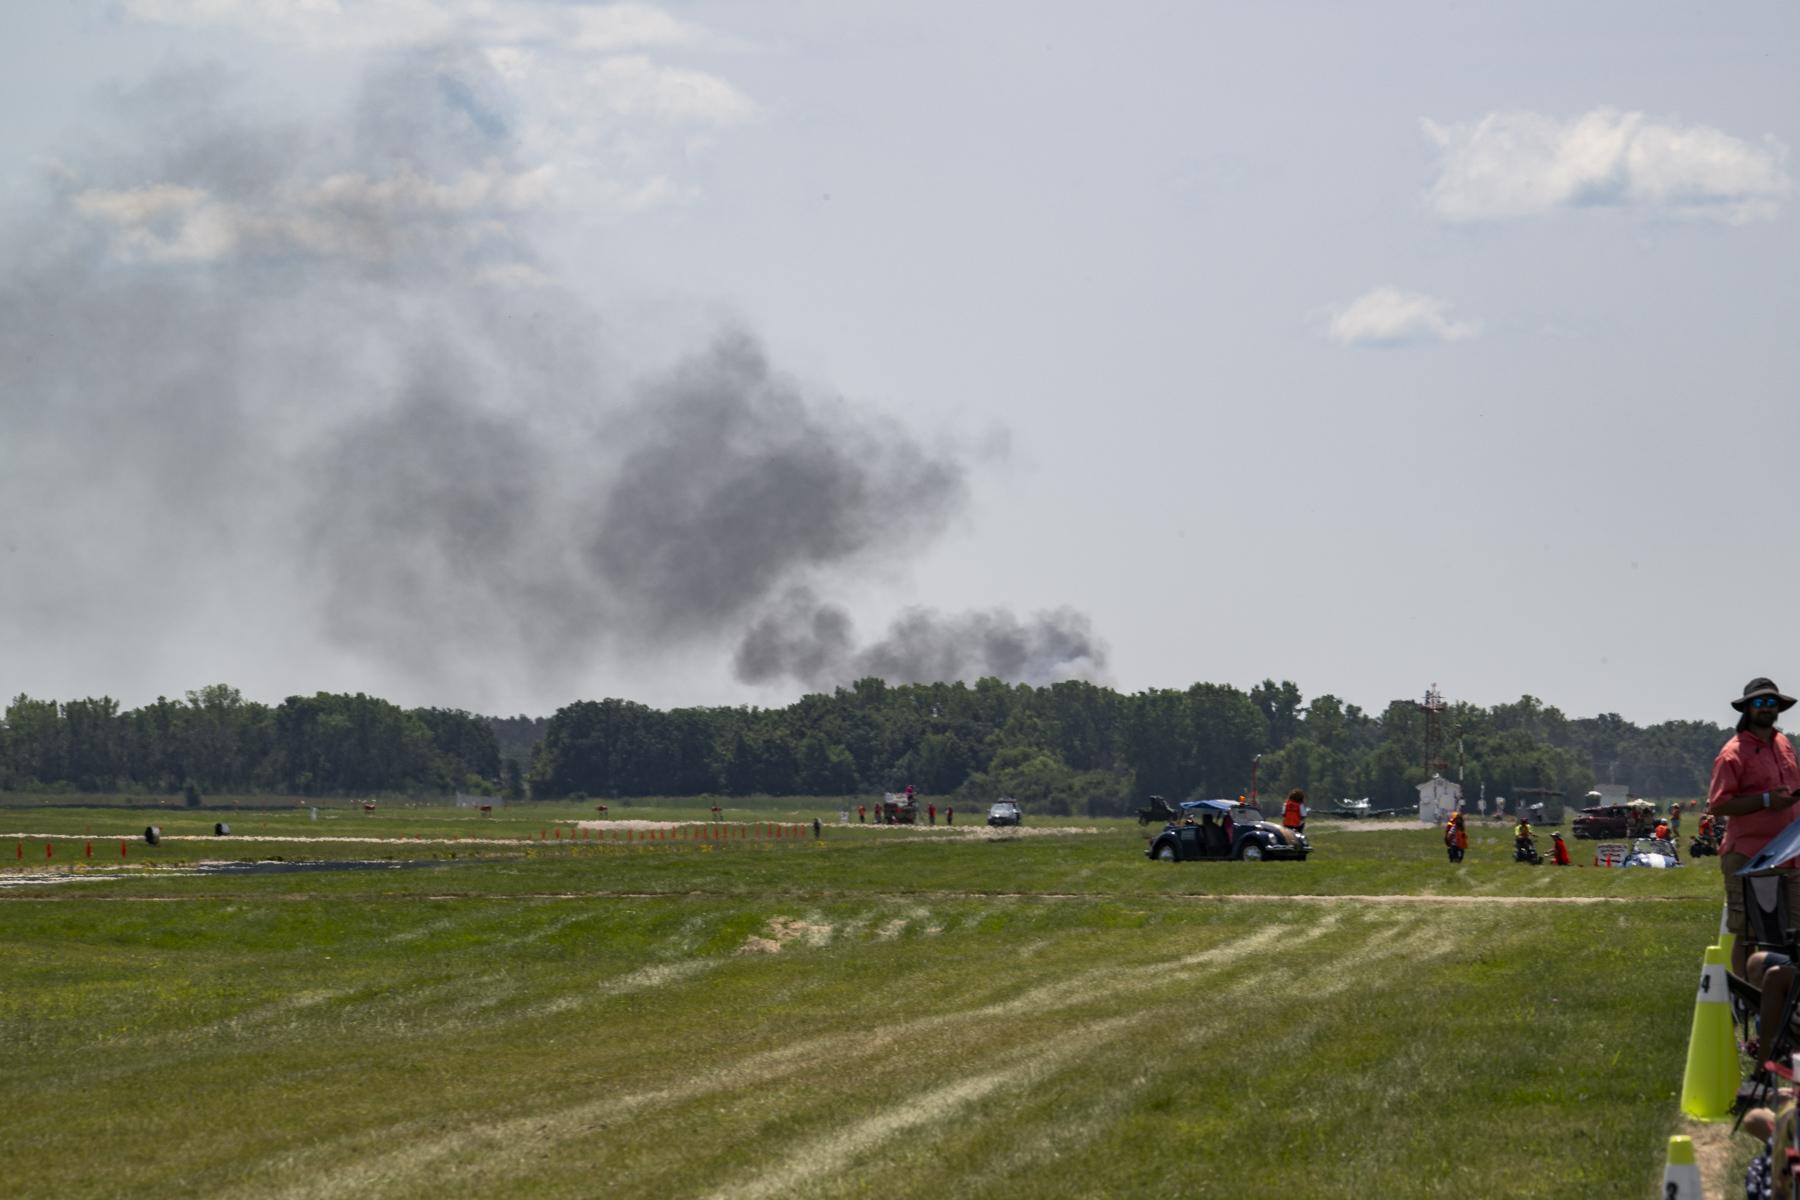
(1765, 702)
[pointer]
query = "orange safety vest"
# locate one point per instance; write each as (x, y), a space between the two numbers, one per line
(1290, 814)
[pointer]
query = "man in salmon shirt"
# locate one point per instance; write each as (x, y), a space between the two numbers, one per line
(1755, 779)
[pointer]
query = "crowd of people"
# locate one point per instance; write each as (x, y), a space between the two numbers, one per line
(1525, 848)
(903, 812)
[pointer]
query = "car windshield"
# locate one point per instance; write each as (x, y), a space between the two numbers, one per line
(1003, 810)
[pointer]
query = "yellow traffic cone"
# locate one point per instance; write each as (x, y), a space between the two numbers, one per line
(1710, 1084)
(1727, 939)
(1681, 1177)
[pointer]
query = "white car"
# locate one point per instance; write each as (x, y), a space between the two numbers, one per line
(1656, 853)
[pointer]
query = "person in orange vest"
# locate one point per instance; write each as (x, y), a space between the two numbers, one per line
(1456, 836)
(1661, 831)
(1706, 832)
(1293, 812)
(1559, 853)
(931, 810)
(862, 813)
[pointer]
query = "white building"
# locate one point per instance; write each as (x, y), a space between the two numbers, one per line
(1438, 798)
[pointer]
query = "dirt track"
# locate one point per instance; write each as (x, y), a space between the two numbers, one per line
(101, 874)
(736, 830)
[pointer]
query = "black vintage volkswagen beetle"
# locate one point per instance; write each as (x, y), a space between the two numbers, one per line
(1221, 829)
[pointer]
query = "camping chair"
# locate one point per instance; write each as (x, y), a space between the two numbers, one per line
(1768, 926)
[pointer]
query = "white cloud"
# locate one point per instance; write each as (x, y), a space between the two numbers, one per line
(132, 206)
(162, 222)
(1388, 316)
(623, 26)
(632, 85)
(1524, 164)
(590, 120)
(408, 191)
(348, 215)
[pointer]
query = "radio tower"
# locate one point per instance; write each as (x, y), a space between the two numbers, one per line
(1434, 733)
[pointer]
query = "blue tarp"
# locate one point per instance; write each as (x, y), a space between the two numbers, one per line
(1218, 806)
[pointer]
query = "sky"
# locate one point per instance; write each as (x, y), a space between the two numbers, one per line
(500, 353)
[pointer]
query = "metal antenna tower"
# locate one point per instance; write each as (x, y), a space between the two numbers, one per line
(1433, 709)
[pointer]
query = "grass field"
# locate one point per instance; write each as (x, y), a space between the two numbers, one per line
(880, 1013)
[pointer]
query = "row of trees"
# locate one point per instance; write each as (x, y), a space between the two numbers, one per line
(1074, 747)
(1067, 747)
(217, 741)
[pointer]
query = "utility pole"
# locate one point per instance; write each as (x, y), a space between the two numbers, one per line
(1253, 764)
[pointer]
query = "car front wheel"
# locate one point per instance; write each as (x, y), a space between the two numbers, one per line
(1165, 852)
(1251, 853)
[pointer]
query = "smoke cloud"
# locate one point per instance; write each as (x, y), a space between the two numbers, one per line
(803, 638)
(271, 393)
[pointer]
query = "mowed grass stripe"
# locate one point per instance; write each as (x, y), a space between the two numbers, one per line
(873, 1052)
(896, 1143)
(363, 1078)
(1059, 1115)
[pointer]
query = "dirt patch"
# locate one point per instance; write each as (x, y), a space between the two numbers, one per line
(969, 833)
(781, 931)
(1712, 1151)
(1439, 900)
(1368, 825)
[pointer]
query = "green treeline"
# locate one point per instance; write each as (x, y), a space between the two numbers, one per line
(1066, 748)
(216, 741)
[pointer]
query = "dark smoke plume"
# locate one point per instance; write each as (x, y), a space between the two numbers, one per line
(735, 484)
(268, 390)
(804, 639)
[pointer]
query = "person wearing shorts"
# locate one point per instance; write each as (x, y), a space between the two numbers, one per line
(1755, 782)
